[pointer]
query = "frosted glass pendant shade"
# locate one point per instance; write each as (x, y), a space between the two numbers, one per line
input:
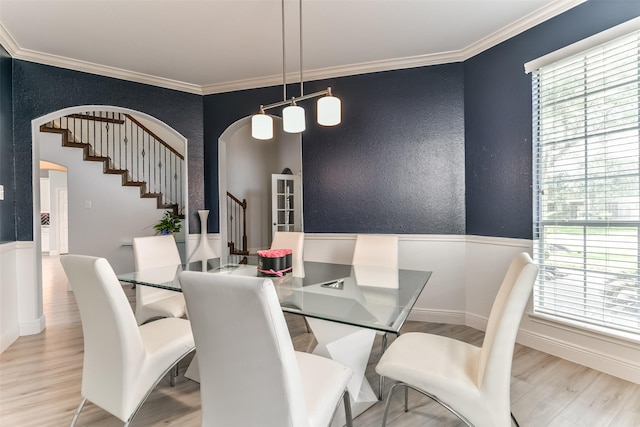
(293, 119)
(329, 111)
(261, 126)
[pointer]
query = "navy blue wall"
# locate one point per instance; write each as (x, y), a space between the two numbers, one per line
(498, 125)
(394, 165)
(40, 89)
(7, 211)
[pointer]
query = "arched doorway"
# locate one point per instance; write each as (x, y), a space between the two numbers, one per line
(245, 166)
(105, 225)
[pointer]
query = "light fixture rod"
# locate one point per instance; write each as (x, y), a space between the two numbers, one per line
(300, 19)
(327, 91)
(284, 57)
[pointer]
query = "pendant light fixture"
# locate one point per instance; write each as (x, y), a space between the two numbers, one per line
(261, 126)
(329, 110)
(328, 106)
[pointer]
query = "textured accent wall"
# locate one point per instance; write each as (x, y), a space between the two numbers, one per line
(498, 129)
(41, 89)
(395, 164)
(7, 212)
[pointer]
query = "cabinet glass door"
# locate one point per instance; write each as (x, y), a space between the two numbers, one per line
(285, 202)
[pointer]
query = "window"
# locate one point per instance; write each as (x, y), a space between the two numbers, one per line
(586, 123)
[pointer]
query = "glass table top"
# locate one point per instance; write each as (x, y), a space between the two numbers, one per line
(371, 297)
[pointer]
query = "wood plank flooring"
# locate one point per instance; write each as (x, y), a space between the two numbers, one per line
(40, 378)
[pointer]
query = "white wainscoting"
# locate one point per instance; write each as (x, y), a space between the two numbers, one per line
(467, 272)
(20, 292)
(9, 329)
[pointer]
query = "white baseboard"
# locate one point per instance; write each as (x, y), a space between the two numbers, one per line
(33, 327)
(592, 358)
(437, 316)
(8, 337)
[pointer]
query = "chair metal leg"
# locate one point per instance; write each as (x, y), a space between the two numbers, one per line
(77, 414)
(406, 399)
(514, 420)
(347, 409)
(386, 405)
(430, 396)
(173, 375)
(381, 378)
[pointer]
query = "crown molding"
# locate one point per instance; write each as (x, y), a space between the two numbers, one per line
(8, 42)
(16, 52)
(505, 33)
(104, 70)
(339, 71)
(520, 26)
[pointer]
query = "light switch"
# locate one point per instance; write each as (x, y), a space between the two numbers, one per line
(87, 204)
(1, 192)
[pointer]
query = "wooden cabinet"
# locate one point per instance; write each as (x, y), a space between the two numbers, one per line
(286, 203)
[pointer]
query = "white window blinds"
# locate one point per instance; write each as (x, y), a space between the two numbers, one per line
(586, 121)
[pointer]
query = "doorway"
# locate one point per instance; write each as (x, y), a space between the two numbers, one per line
(67, 220)
(245, 169)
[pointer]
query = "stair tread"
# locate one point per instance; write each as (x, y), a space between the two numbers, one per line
(68, 140)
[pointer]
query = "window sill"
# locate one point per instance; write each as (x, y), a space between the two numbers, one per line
(627, 339)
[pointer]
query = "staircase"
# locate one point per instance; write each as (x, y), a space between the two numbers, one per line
(127, 148)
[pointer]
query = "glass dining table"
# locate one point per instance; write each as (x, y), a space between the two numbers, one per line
(345, 305)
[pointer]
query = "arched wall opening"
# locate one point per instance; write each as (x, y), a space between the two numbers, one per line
(128, 219)
(245, 168)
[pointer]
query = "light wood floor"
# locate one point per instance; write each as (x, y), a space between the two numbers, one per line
(40, 379)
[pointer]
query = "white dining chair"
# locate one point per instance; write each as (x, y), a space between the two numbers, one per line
(471, 382)
(376, 250)
(123, 362)
(250, 374)
(293, 240)
(153, 303)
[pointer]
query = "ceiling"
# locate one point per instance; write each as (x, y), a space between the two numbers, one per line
(211, 46)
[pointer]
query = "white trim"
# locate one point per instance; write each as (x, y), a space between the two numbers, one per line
(33, 327)
(405, 237)
(583, 45)
(607, 363)
(8, 337)
(328, 236)
(476, 322)
(450, 317)
(543, 14)
(600, 333)
(500, 241)
(8, 246)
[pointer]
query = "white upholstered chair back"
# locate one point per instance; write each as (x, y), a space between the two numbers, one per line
(494, 368)
(293, 240)
(379, 250)
(248, 370)
(113, 347)
(153, 252)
